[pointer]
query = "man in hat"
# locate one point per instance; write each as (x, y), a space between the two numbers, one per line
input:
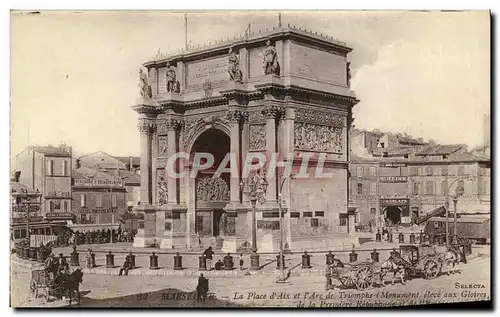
(63, 264)
(50, 266)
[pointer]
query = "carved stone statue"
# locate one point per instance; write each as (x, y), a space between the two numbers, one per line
(145, 91)
(270, 63)
(172, 82)
(234, 67)
(348, 74)
(207, 88)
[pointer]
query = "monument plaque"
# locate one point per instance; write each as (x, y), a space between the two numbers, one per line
(214, 69)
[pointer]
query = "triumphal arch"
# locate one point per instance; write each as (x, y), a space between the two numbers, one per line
(283, 91)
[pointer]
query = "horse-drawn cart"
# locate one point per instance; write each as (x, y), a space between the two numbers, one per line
(40, 280)
(411, 261)
(361, 275)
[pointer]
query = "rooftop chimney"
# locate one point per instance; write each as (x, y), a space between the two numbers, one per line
(131, 165)
(77, 164)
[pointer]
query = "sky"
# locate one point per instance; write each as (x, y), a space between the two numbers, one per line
(74, 75)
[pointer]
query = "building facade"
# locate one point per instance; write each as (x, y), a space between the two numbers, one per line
(99, 200)
(283, 90)
(47, 169)
(125, 169)
(393, 186)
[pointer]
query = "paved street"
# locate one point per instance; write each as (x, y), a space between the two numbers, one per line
(471, 282)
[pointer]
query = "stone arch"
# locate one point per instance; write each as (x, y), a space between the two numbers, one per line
(200, 128)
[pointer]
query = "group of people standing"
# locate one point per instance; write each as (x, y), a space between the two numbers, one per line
(104, 236)
(55, 266)
(220, 264)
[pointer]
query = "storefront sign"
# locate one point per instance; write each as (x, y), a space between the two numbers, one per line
(98, 183)
(394, 202)
(84, 210)
(23, 219)
(393, 179)
(386, 164)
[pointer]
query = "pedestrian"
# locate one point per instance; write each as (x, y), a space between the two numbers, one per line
(63, 264)
(199, 239)
(202, 287)
(241, 261)
(126, 266)
(208, 255)
(89, 258)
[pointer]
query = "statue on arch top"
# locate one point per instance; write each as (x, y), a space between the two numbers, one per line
(270, 63)
(145, 91)
(234, 67)
(172, 82)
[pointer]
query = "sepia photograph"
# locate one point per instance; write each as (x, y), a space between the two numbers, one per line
(250, 159)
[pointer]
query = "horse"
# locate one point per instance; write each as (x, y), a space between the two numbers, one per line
(452, 256)
(69, 283)
(395, 264)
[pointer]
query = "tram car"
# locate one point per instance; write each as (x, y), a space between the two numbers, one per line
(471, 228)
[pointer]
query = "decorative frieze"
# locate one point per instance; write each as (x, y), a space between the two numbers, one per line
(257, 140)
(212, 189)
(318, 137)
(162, 146)
(316, 117)
(191, 124)
(256, 117)
(161, 188)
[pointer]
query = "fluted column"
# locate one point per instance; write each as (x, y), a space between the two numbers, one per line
(235, 117)
(172, 126)
(271, 113)
(146, 129)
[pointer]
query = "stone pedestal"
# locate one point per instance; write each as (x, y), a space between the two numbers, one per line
(146, 236)
(176, 235)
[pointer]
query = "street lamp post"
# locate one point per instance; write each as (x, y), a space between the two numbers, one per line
(455, 200)
(458, 192)
(255, 190)
(282, 278)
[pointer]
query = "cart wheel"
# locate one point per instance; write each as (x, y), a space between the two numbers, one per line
(346, 281)
(431, 268)
(364, 278)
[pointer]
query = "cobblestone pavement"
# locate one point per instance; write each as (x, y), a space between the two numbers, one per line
(470, 282)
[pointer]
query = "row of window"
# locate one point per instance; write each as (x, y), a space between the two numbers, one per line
(98, 200)
(373, 189)
(360, 171)
(57, 205)
(51, 170)
(415, 170)
(428, 189)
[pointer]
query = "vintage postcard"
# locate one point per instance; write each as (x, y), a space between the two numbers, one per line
(250, 159)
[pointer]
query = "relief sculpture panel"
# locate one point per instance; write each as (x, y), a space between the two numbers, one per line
(314, 137)
(257, 137)
(161, 188)
(162, 146)
(212, 189)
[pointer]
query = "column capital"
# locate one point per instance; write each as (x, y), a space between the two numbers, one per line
(146, 127)
(174, 124)
(273, 112)
(237, 116)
